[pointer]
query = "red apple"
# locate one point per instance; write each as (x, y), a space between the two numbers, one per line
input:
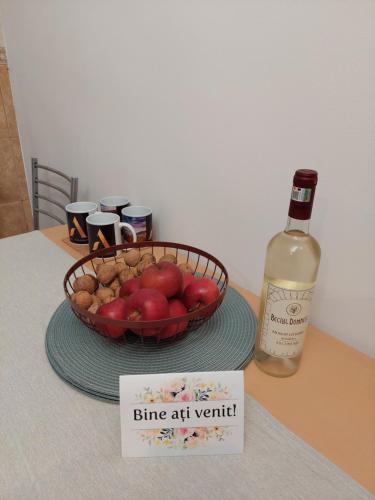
(187, 278)
(147, 304)
(176, 308)
(200, 292)
(113, 310)
(129, 287)
(164, 277)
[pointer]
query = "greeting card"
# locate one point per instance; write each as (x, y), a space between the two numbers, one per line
(196, 413)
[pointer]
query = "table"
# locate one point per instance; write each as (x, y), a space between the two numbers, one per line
(50, 433)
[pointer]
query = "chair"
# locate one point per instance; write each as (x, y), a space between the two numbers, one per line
(71, 193)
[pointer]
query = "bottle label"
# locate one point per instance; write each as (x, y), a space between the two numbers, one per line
(301, 194)
(285, 320)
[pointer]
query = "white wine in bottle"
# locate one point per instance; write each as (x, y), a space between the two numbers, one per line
(292, 263)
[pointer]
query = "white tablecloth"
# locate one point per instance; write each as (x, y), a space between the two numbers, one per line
(56, 443)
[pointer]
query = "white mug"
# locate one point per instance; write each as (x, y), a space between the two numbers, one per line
(104, 230)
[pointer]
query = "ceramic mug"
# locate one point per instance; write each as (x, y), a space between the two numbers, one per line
(140, 219)
(114, 204)
(76, 214)
(104, 230)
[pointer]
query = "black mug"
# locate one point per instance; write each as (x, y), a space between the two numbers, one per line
(76, 214)
(139, 218)
(114, 204)
(104, 230)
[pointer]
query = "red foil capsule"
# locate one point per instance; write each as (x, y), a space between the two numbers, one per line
(303, 191)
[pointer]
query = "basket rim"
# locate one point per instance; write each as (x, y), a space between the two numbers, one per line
(204, 311)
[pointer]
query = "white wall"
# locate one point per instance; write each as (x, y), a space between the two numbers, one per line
(203, 109)
(1, 34)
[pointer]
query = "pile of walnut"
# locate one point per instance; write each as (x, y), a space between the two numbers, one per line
(89, 295)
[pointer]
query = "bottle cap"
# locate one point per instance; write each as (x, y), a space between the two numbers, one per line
(303, 191)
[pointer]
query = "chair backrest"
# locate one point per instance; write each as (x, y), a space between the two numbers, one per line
(70, 193)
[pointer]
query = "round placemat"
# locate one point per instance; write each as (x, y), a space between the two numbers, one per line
(92, 363)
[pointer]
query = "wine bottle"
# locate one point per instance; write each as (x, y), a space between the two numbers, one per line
(291, 268)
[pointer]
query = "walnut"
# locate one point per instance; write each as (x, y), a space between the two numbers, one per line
(126, 275)
(168, 258)
(185, 268)
(148, 257)
(108, 299)
(82, 298)
(119, 266)
(115, 284)
(117, 292)
(106, 274)
(96, 300)
(103, 293)
(132, 257)
(93, 308)
(86, 282)
(142, 266)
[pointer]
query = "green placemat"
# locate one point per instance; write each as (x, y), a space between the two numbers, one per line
(92, 363)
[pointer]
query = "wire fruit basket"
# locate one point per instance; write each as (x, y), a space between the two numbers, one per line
(201, 264)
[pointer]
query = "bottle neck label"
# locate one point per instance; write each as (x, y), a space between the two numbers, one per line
(285, 320)
(301, 194)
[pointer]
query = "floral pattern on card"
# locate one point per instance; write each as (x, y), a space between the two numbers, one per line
(184, 437)
(184, 389)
